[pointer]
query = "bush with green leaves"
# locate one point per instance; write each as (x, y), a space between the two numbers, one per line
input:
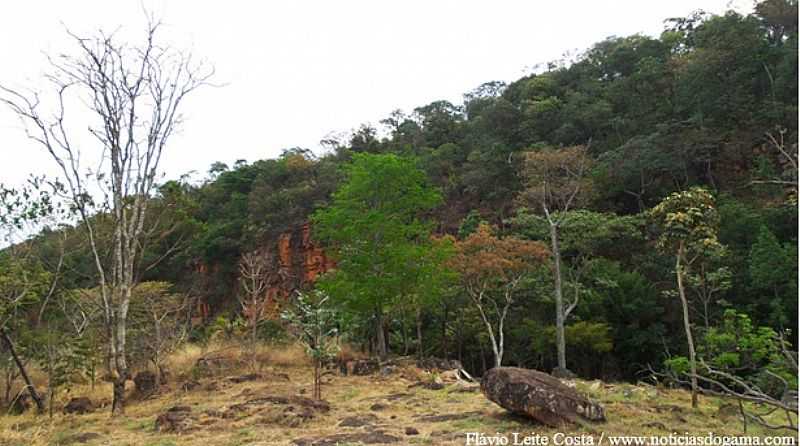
(736, 347)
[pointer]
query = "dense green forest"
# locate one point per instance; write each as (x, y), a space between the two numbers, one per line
(539, 223)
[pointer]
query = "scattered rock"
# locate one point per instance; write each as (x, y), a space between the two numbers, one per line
(290, 411)
(412, 431)
(539, 396)
(655, 425)
(359, 367)
(146, 382)
(214, 365)
(213, 386)
(80, 405)
(434, 383)
(397, 396)
(214, 413)
(668, 408)
(446, 417)
(84, 437)
(358, 420)
(190, 385)
(245, 378)
(439, 364)
(375, 437)
(177, 419)
(378, 407)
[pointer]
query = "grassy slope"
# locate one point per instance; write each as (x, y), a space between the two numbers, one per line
(634, 410)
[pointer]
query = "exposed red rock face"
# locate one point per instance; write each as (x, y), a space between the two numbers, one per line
(297, 262)
(300, 262)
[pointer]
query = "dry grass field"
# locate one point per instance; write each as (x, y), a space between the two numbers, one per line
(232, 404)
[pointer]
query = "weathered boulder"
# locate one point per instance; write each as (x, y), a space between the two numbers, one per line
(539, 396)
(79, 405)
(146, 382)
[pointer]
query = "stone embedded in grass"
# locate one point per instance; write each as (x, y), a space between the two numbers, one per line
(244, 378)
(190, 385)
(439, 364)
(374, 437)
(146, 382)
(359, 367)
(84, 437)
(177, 419)
(79, 405)
(446, 417)
(411, 431)
(358, 420)
(539, 396)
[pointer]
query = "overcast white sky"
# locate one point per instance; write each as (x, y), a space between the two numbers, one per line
(299, 70)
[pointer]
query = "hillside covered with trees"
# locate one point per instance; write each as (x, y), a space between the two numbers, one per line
(627, 215)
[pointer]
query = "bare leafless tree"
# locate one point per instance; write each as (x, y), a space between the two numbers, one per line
(135, 94)
(254, 275)
(787, 158)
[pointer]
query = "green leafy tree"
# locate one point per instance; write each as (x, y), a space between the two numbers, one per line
(372, 227)
(772, 269)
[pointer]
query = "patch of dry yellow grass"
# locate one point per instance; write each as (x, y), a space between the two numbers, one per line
(632, 410)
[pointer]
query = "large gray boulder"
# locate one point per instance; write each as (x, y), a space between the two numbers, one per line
(539, 396)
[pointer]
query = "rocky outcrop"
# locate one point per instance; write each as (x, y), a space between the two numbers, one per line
(300, 262)
(538, 396)
(295, 260)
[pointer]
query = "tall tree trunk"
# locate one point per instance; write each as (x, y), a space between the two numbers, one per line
(380, 340)
(317, 385)
(419, 334)
(120, 360)
(22, 371)
(686, 325)
(559, 297)
(445, 315)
